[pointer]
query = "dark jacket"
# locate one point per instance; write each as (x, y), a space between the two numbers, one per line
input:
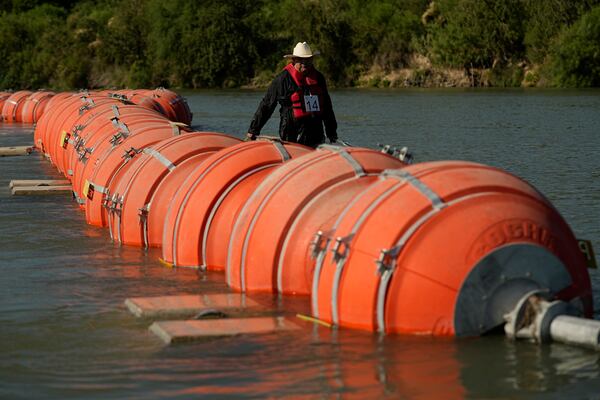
(308, 130)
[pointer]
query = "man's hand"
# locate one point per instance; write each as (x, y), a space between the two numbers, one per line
(249, 136)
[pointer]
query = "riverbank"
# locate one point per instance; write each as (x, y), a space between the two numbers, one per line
(421, 73)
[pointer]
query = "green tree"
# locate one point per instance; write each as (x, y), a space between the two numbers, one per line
(576, 57)
(545, 19)
(478, 33)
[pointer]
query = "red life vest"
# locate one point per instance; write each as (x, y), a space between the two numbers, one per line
(307, 85)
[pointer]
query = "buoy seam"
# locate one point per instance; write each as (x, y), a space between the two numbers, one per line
(321, 256)
(342, 261)
(188, 194)
(296, 221)
(217, 204)
(258, 211)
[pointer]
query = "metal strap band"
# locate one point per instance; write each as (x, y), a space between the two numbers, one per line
(285, 155)
(341, 261)
(320, 258)
(436, 201)
(162, 159)
(115, 110)
(144, 221)
(388, 271)
(120, 125)
(98, 188)
(176, 130)
(387, 267)
(316, 275)
(342, 151)
(358, 169)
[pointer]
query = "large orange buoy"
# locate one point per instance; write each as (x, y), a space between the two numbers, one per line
(42, 123)
(259, 234)
(51, 134)
(3, 97)
(98, 179)
(11, 111)
(144, 98)
(71, 138)
(129, 202)
(174, 105)
(106, 127)
(69, 124)
(164, 193)
(444, 248)
(200, 205)
(34, 106)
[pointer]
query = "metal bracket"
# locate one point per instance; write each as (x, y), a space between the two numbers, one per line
(129, 154)
(117, 96)
(341, 247)
(83, 153)
(84, 108)
(114, 204)
(387, 259)
(395, 151)
(319, 243)
(143, 212)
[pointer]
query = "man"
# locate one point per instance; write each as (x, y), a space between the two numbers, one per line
(305, 103)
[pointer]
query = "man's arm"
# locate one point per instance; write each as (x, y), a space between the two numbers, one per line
(265, 108)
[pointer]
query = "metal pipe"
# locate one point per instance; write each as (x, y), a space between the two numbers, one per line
(576, 331)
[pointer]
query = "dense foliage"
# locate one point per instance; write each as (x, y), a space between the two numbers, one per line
(212, 43)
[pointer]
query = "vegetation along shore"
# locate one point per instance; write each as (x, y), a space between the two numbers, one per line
(238, 43)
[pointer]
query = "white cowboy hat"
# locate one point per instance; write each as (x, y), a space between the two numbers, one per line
(302, 50)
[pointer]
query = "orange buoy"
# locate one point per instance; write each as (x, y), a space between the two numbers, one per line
(144, 98)
(164, 193)
(199, 216)
(34, 105)
(42, 123)
(11, 111)
(50, 136)
(129, 202)
(68, 124)
(174, 105)
(259, 233)
(444, 248)
(106, 128)
(97, 179)
(3, 97)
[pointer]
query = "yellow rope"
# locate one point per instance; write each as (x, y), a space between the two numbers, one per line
(315, 320)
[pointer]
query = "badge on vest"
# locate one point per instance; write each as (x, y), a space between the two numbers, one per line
(311, 103)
